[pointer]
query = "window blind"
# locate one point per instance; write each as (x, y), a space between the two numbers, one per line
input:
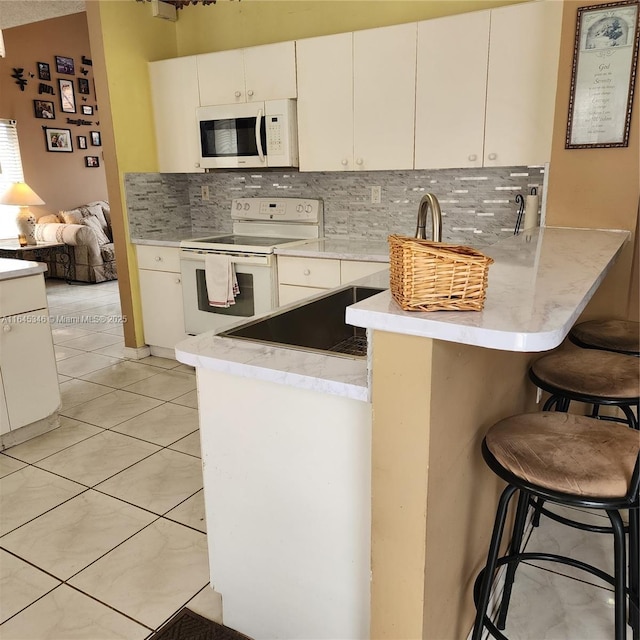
(10, 171)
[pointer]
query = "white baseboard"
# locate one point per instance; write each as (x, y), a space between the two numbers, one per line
(137, 353)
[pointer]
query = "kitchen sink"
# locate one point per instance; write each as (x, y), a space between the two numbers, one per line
(318, 325)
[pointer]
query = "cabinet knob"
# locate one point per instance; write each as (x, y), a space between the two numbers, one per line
(178, 280)
(492, 156)
(197, 165)
(307, 272)
(359, 161)
(344, 162)
(473, 157)
(250, 93)
(238, 94)
(158, 258)
(6, 328)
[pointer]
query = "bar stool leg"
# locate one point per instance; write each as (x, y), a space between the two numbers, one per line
(634, 571)
(482, 601)
(620, 571)
(516, 543)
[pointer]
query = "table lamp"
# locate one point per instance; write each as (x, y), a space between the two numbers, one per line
(22, 195)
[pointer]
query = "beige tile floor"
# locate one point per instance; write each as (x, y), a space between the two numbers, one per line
(102, 532)
(102, 520)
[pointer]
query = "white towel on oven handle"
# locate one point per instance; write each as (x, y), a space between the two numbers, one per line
(221, 280)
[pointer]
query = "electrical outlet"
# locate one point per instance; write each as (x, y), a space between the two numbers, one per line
(204, 191)
(376, 195)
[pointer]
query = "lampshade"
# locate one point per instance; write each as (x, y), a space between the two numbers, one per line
(20, 194)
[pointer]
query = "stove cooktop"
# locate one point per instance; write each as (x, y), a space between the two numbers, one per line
(256, 241)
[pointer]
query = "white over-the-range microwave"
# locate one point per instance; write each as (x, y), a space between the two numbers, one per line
(252, 134)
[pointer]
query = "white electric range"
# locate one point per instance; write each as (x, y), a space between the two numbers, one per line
(260, 225)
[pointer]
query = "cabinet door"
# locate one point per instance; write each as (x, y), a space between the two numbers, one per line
(162, 316)
(451, 84)
(270, 71)
(288, 293)
(175, 97)
(4, 416)
(325, 103)
(29, 374)
(384, 85)
(521, 85)
(221, 77)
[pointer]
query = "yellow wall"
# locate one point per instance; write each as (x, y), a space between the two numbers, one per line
(231, 25)
(595, 188)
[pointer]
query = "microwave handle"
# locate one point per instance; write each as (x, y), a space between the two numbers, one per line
(258, 137)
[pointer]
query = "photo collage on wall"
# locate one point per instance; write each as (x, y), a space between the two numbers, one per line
(75, 90)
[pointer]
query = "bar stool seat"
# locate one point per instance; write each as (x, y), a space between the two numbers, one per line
(591, 376)
(568, 460)
(621, 336)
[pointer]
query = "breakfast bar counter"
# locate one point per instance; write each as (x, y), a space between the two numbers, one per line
(368, 516)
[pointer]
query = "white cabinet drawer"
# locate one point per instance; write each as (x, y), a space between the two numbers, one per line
(22, 294)
(288, 293)
(351, 270)
(158, 258)
(309, 272)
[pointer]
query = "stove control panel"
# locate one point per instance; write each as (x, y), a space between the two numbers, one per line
(300, 210)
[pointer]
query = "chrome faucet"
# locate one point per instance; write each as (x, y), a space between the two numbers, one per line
(436, 218)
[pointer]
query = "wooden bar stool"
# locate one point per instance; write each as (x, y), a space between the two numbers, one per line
(620, 336)
(569, 460)
(598, 378)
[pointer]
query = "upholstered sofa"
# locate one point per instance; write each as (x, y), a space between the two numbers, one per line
(86, 230)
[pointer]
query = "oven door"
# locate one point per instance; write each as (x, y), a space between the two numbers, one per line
(257, 281)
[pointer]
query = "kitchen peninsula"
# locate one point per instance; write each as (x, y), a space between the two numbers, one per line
(437, 382)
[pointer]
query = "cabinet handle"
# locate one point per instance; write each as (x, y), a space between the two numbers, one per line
(493, 156)
(6, 328)
(249, 93)
(158, 258)
(473, 157)
(238, 94)
(359, 161)
(307, 272)
(344, 162)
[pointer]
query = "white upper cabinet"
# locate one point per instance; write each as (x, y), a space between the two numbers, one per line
(325, 103)
(486, 87)
(521, 85)
(356, 96)
(266, 72)
(384, 89)
(175, 97)
(451, 85)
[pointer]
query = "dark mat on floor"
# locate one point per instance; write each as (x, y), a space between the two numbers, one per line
(187, 625)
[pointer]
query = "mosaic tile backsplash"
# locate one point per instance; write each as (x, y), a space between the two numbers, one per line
(478, 205)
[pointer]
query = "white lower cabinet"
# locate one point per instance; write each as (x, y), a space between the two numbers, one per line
(28, 373)
(161, 296)
(300, 278)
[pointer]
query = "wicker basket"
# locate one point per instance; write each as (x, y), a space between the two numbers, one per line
(433, 276)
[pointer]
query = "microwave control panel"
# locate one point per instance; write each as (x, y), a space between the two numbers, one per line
(274, 134)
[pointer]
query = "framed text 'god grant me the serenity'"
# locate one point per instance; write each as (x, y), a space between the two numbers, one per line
(605, 59)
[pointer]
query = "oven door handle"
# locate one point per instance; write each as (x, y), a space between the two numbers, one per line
(258, 137)
(261, 260)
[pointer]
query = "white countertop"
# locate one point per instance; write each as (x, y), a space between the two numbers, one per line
(11, 268)
(340, 249)
(538, 285)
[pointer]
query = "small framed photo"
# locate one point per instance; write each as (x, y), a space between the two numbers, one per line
(44, 73)
(58, 139)
(91, 161)
(87, 110)
(44, 109)
(65, 65)
(67, 96)
(96, 141)
(82, 142)
(83, 85)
